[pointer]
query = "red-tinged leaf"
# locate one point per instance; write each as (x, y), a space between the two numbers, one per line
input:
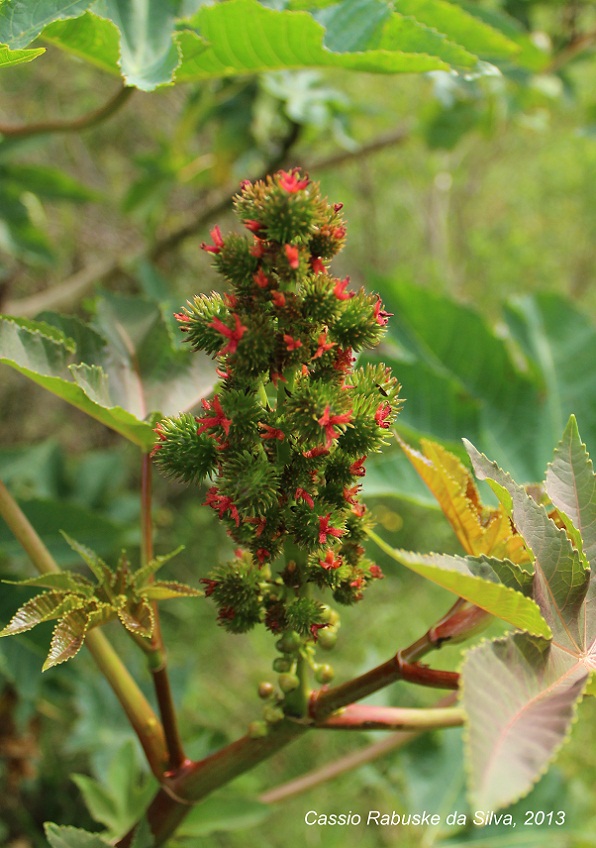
(138, 618)
(162, 590)
(571, 486)
(67, 639)
(520, 695)
(100, 613)
(44, 607)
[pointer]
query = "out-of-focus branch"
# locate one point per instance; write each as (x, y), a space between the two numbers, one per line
(69, 291)
(84, 122)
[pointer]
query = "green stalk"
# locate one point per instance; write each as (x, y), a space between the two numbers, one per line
(138, 710)
(156, 654)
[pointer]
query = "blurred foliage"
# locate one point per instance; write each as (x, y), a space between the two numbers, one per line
(475, 187)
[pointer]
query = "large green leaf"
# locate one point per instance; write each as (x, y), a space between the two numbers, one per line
(94, 39)
(458, 25)
(10, 57)
(223, 813)
(244, 37)
(490, 584)
(520, 693)
(132, 372)
(559, 343)
(21, 21)
(148, 55)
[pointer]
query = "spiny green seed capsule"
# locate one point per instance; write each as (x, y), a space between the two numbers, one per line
(288, 682)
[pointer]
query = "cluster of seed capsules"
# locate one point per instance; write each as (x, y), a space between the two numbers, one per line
(284, 439)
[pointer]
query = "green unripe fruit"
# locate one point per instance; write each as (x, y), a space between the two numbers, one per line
(257, 729)
(281, 664)
(288, 682)
(324, 673)
(289, 643)
(272, 714)
(327, 639)
(329, 616)
(265, 690)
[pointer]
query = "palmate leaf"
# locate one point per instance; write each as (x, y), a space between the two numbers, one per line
(126, 370)
(491, 584)
(520, 693)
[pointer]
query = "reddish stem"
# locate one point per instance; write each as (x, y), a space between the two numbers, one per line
(367, 717)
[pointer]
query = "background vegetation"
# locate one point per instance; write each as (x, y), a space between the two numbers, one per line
(464, 198)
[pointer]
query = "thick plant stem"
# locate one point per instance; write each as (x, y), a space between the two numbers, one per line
(367, 717)
(142, 718)
(348, 763)
(195, 780)
(19, 524)
(138, 710)
(326, 701)
(156, 654)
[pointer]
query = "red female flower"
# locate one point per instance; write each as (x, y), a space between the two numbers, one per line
(357, 468)
(271, 432)
(291, 182)
(217, 420)
(291, 343)
(261, 279)
(302, 494)
(380, 315)
(222, 504)
(278, 298)
(331, 562)
(340, 289)
(317, 265)
(325, 530)
(328, 422)
(292, 255)
(323, 345)
(252, 225)
(234, 335)
(218, 242)
(382, 414)
(376, 572)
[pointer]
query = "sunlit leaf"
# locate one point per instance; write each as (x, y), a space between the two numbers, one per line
(164, 589)
(242, 36)
(478, 580)
(42, 608)
(479, 529)
(10, 57)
